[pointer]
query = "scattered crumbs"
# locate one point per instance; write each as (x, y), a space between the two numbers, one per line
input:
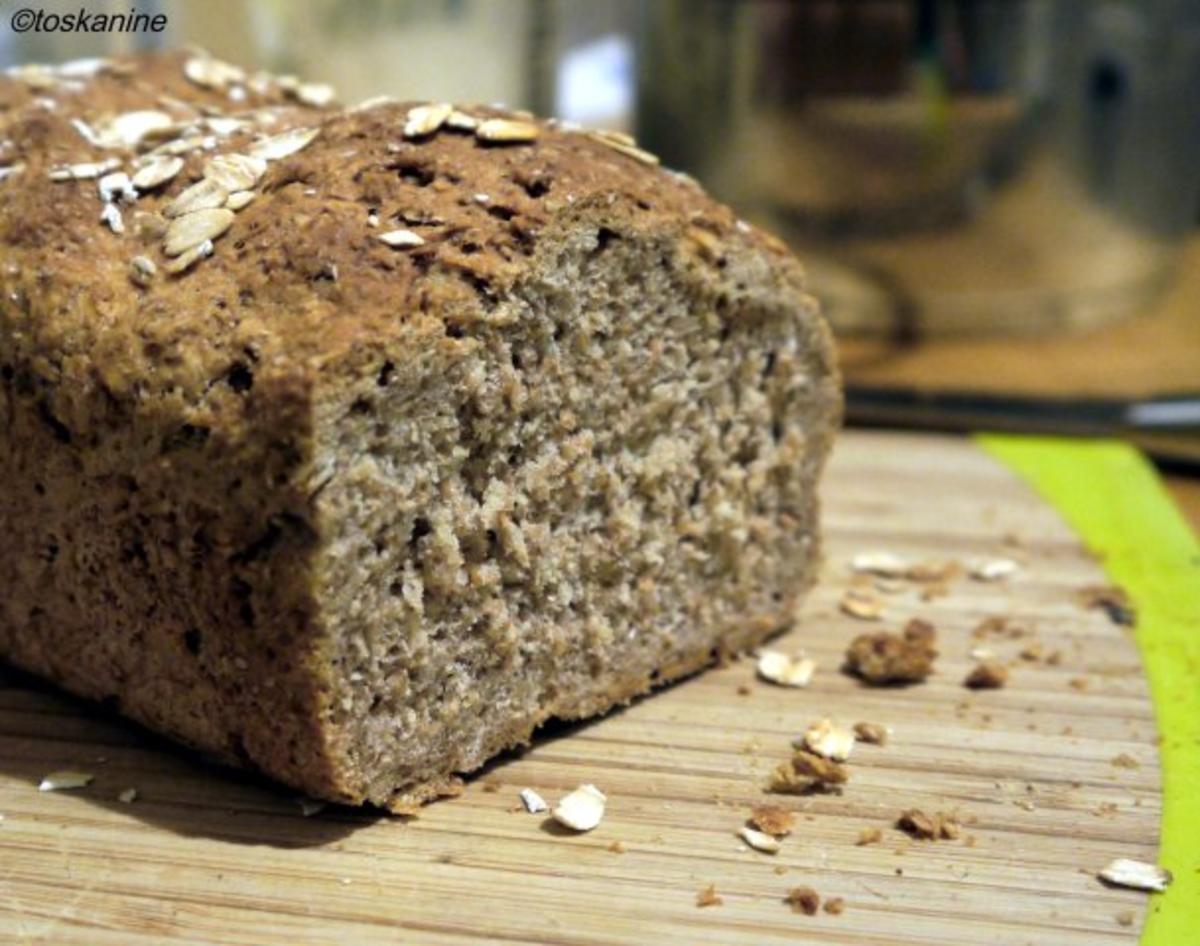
(993, 569)
(743, 690)
(618, 847)
(1104, 809)
(829, 740)
(997, 626)
(784, 670)
(708, 897)
(835, 906)
(987, 675)
(937, 827)
(773, 820)
(309, 806)
(1126, 917)
(861, 604)
(1026, 804)
(780, 870)
(806, 772)
(582, 809)
(969, 840)
(1054, 658)
(885, 657)
(128, 796)
(934, 571)
(344, 881)
(533, 802)
(803, 900)
(491, 787)
(65, 779)
(873, 734)
(1125, 761)
(759, 840)
(1111, 600)
(883, 564)
(1032, 651)
(1079, 683)
(1137, 875)
(933, 590)
(869, 836)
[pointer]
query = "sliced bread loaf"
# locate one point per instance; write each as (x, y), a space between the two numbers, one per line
(352, 445)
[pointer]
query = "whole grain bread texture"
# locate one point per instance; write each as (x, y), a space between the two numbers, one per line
(351, 444)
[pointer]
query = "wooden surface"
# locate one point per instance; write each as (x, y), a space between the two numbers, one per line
(1153, 352)
(209, 856)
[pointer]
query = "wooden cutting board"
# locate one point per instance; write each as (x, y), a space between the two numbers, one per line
(205, 855)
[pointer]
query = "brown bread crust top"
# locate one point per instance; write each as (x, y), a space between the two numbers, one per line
(301, 276)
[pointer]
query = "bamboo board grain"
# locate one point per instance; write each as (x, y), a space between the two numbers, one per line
(209, 856)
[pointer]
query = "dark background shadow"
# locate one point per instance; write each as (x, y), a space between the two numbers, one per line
(43, 729)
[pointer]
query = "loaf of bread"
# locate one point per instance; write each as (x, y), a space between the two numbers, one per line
(353, 444)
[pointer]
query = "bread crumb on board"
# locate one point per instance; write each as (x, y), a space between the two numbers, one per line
(1109, 599)
(773, 820)
(1033, 652)
(874, 734)
(835, 906)
(582, 809)
(936, 827)
(1126, 917)
(64, 780)
(784, 670)
(708, 897)
(992, 569)
(869, 836)
(805, 772)
(933, 573)
(885, 657)
(883, 564)
(803, 900)
(861, 604)
(829, 740)
(998, 626)
(987, 675)
(308, 806)
(759, 840)
(1125, 761)
(1136, 875)
(533, 802)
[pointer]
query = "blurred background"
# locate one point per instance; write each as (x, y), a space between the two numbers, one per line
(996, 200)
